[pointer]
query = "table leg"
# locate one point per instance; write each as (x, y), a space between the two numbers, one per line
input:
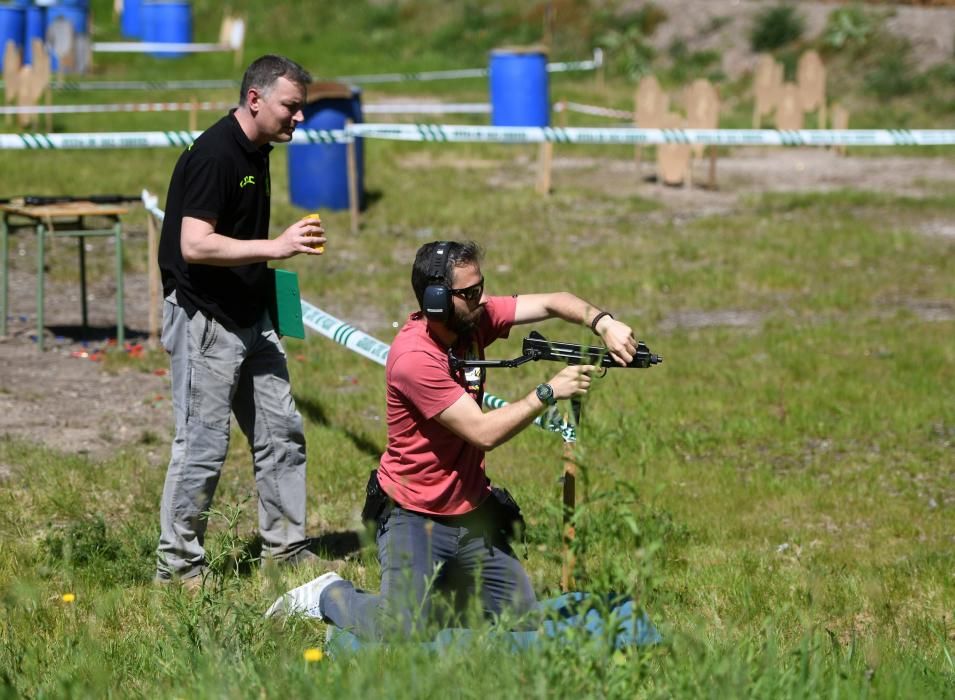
(120, 321)
(40, 271)
(3, 271)
(82, 244)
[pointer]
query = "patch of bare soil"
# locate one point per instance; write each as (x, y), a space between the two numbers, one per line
(69, 402)
(73, 404)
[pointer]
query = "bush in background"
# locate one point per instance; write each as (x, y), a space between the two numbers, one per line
(776, 27)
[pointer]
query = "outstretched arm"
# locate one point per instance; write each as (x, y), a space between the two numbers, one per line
(488, 430)
(617, 336)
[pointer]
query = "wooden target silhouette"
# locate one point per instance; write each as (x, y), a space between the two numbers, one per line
(811, 78)
(11, 74)
(651, 104)
(789, 110)
(703, 112)
(673, 159)
(766, 86)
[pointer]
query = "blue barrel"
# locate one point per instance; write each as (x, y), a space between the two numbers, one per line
(76, 12)
(34, 28)
(519, 87)
(131, 21)
(12, 25)
(318, 172)
(167, 22)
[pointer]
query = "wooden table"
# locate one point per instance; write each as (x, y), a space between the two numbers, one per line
(61, 220)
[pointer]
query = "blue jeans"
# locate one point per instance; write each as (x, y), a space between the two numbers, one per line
(420, 555)
(216, 372)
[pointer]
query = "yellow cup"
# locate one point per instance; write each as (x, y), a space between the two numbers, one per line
(318, 218)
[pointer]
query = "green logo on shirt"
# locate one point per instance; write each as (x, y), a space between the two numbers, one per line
(247, 180)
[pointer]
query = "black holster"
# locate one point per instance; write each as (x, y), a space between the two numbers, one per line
(378, 504)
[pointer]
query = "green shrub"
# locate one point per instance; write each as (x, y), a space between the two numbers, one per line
(848, 26)
(775, 27)
(893, 76)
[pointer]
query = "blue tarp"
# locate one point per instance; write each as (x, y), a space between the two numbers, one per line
(572, 618)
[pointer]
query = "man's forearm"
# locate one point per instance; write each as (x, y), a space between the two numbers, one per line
(225, 251)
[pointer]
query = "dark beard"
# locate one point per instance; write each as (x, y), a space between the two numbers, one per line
(463, 328)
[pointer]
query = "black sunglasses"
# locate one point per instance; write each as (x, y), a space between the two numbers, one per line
(470, 294)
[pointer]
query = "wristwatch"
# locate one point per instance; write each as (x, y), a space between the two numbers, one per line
(545, 392)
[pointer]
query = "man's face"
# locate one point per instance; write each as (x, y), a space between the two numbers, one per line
(468, 298)
(279, 110)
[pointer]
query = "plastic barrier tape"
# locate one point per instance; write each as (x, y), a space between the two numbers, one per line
(508, 134)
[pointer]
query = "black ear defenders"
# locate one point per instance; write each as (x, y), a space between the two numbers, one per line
(436, 302)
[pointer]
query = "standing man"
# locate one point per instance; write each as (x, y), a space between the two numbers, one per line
(224, 353)
(442, 520)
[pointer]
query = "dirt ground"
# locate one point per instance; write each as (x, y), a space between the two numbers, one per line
(70, 403)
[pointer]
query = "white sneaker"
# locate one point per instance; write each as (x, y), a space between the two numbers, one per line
(305, 599)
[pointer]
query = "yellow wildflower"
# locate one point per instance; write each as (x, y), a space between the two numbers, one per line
(313, 654)
(68, 597)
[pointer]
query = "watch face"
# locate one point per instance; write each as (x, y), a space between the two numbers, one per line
(545, 392)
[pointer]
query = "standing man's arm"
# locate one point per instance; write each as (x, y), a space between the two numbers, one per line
(617, 336)
(202, 245)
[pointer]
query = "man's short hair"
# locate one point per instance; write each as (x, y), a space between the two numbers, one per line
(265, 71)
(459, 253)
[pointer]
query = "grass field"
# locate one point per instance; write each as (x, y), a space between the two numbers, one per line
(779, 495)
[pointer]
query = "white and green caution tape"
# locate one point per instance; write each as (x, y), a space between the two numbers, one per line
(365, 345)
(82, 86)
(510, 134)
(97, 140)
(633, 135)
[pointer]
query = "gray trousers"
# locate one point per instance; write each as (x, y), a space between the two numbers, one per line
(217, 372)
(419, 556)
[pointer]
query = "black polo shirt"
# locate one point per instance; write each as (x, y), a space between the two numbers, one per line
(225, 177)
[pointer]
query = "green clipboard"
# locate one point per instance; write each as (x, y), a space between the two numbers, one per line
(286, 304)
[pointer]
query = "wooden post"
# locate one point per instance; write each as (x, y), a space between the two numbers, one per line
(352, 165)
(570, 503)
(570, 498)
(544, 159)
(193, 114)
(152, 247)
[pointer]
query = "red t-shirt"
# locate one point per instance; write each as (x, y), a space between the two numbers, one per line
(426, 467)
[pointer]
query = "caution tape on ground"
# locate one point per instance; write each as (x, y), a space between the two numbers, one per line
(365, 345)
(505, 134)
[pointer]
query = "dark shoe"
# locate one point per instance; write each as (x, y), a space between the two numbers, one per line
(303, 557)
(190, 583)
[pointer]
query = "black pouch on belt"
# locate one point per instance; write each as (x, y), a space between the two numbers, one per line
(508, 518)
(378, 504)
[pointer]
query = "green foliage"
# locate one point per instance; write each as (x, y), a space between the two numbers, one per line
(850, 26)
(893, 76)
(775, 27)
(629, 53)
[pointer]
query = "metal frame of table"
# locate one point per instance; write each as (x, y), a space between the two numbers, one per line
(61, 221)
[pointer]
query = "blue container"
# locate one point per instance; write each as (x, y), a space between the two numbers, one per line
(318, 172)
(131, 21)
(167, 23)
(77, 13)
(34, 28)
(12, 25)
(519, 87)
